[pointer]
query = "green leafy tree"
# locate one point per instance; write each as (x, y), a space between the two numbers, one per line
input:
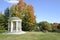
(2, 22)
(45, 26)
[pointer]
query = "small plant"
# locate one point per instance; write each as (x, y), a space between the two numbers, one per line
(2, 31)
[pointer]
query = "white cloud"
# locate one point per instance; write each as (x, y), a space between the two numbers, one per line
(12, 1)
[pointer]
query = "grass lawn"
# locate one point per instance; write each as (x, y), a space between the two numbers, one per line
(31, 36)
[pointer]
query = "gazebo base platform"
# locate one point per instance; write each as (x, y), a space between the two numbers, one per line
(21, 32)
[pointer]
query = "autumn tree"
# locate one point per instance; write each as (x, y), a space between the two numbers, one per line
(55, 26)
(26, 13)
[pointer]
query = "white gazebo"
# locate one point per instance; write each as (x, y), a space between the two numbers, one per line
(15, 26)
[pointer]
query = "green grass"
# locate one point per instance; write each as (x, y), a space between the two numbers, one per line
(31, 36)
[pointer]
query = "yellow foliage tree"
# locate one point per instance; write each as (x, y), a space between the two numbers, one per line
(26, 13)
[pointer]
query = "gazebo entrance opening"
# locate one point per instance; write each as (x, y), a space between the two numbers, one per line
(14, 26)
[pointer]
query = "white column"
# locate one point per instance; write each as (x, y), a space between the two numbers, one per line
(11, 26)
(16, 26)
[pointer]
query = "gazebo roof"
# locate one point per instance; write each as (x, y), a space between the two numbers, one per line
(14, 19)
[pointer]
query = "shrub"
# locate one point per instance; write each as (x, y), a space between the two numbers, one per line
(2, 27)
(2, 31)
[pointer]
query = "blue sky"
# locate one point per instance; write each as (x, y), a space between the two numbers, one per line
(44, 10)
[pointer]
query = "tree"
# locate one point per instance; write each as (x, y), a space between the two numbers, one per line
(18, 10)
(45, 26)
(2, 20)
(55, 26)
(59, 26)
(6, 16)
(26, 13)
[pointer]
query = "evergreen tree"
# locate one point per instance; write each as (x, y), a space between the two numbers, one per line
(6, 16)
